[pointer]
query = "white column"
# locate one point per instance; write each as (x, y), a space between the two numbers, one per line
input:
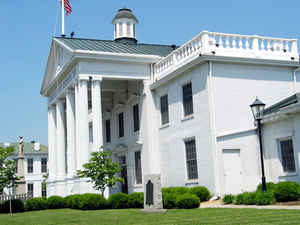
(82, 127)
(97, 114)
(71, 147)
(52, 141)
(61, 140)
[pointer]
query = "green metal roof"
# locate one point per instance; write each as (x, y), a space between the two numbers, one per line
(116, 47)
(28, 148)
(283, 103)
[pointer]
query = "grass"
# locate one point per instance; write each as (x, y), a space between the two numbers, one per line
(135, 217)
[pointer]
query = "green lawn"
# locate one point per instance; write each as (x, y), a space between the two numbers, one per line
(134, 217)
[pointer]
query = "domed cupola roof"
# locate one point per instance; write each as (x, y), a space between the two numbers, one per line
(125, 22)
(125, 13)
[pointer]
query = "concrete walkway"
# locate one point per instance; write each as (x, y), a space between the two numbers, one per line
(219, 204)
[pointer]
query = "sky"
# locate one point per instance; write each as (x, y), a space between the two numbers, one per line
(27, 27)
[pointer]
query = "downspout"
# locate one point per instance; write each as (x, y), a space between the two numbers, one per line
(295, 79)
(213, 128)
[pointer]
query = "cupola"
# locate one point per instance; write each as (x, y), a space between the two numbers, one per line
(125, 22)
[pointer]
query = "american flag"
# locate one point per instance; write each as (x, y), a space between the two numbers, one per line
(68, 7)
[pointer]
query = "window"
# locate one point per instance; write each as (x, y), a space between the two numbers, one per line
(30, 189)
(44, 189)
(107, 128)
(138, 167)
(187, 94)
(29, 165)
(128, 29)
(136, 119)
(121, 125)
(164, 109)
(287, 155)
(44, 165)
(121, 29)
(191, 159)
(90, 132)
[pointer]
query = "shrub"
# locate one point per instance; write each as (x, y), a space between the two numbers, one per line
(74, 201)
(93, 202)
(187, 201)
(118, 201)
(239, 199)
(228, 199)
(264, 198)
(202, 193)
(36, 204)
(249, 198)
(287, 191)
(87, 201)
(136, 200)
(175, 190)
(17, 205)
(269, 185)
(56, 202)
(169, 200)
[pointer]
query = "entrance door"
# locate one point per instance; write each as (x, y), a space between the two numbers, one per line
(232, 171)
(123, 166)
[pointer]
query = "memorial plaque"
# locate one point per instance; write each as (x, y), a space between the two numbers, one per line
(149, 193)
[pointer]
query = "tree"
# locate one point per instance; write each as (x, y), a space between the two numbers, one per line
(8, 177)
(101, 170)
(7, 168)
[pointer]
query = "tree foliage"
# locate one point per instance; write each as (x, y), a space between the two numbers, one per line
(101, 171)
(7, 168)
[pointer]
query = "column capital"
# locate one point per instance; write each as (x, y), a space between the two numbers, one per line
(147, 82)
(97, 78)
(84, 77)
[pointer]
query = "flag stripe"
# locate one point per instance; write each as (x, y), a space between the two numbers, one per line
(68, 7)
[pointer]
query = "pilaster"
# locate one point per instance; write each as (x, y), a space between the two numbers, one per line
(61, 140)
(71, 145)
(97, 113)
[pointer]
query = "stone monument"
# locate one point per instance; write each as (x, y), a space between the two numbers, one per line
(153, 194)
(21, 184)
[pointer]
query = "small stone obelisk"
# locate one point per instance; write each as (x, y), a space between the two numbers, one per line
(21, 184)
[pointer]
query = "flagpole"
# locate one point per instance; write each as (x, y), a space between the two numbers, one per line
(63, 18)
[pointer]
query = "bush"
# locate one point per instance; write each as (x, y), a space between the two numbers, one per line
(17, 205)
(287, 191)
(56, 202)
(74, 201)
(169, 200)
(249, 198)
(85, 201)
(175, 190)
(239, 199)
(136, 200)
(202, 193)
(36, 204)
(93, 202)
(264, 198)
(187, 201)
(269, 185)
(118, 201)
(228, 199)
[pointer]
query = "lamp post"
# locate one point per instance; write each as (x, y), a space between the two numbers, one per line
(257, 108)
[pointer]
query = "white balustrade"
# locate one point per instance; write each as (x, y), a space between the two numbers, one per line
(230, 45)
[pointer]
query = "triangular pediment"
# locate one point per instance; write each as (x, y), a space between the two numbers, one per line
(59, 56)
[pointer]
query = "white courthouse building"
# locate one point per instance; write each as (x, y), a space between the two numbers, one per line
(35, 166)
(181, 112)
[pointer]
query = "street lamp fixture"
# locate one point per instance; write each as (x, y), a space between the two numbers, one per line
(257, 108)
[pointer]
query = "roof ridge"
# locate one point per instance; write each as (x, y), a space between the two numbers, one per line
(91, 39)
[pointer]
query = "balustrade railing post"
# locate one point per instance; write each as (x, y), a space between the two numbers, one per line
(294, 47)
(205, 42)
(255, 47)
